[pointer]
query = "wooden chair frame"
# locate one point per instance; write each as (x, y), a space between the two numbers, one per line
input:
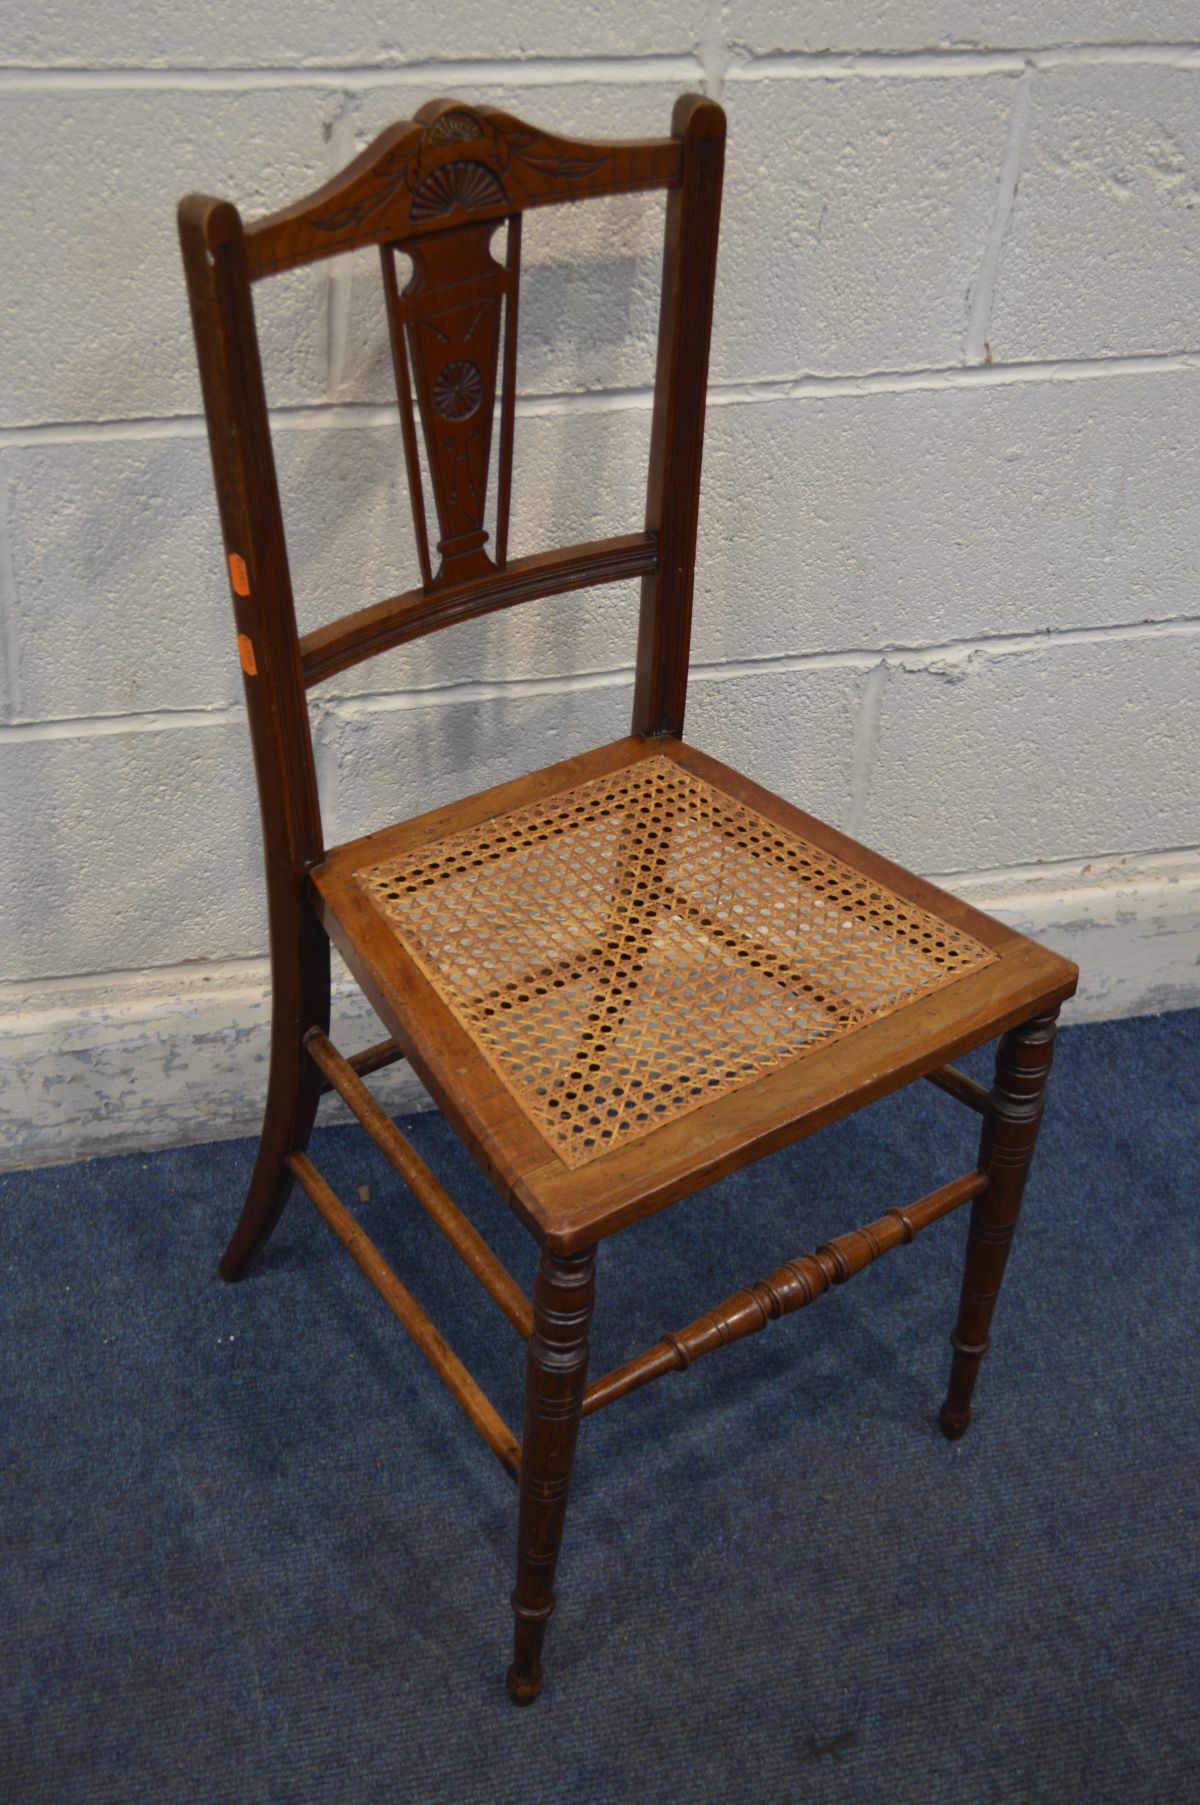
(439, 187)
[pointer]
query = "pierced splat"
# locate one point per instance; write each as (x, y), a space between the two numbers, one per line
(446, 332)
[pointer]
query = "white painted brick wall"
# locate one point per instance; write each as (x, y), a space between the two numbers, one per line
(950, 538)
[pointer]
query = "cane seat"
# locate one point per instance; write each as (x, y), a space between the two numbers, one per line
(604, 968)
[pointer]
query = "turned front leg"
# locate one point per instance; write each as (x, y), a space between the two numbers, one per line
(563, 1294)
(1010, 1131)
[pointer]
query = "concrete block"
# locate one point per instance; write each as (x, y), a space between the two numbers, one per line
(128, 850)
(1072, 751)
(791, 731)
(590, 274)
(763, 26)
(922, 516)
(94, 320)
(382, 763)
(1102, 255)
(119, 603)
(1131, 924)
(361, 34)
(856, 217)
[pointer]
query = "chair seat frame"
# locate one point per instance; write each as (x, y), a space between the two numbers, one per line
(439, 187)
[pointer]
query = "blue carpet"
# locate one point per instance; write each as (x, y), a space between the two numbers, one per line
(251, 1552)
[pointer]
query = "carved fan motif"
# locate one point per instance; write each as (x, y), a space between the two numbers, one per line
(463, 184)
(453, 126)
(458, 390)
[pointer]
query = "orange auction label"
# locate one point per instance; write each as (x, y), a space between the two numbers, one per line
(239, 576)
(246, 654)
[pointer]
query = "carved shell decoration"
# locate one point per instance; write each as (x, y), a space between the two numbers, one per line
(453, 127)
(462, 184)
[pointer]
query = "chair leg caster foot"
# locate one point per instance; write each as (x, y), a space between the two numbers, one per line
(953, 1423)
(523, 1691)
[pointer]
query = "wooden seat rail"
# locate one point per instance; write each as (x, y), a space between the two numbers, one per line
(789, 1288)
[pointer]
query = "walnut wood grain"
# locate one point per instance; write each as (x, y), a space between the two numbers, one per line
(449, 315)
(567, 1208)
(677, 427)
(256, 561)
(964, 1090)
(371, 1059)
(398, 339)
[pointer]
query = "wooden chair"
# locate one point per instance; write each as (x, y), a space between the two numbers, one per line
(631, 973)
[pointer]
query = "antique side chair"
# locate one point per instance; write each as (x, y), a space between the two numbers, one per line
(628, 974)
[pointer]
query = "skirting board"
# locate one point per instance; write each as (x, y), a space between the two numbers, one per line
(133, 1061)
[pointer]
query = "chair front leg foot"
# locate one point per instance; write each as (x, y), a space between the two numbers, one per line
(1010, 1131)
(563, 1295)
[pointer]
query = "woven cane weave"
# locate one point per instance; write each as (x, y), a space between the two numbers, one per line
(634, 947)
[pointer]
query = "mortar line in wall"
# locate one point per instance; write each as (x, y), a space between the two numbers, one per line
(180, 972)
(10, 676)
(866, 739)
(104, 726)
(187, 977)
(356, 415)
(914, 658)
(531, 72)
(339, 272)
(975, 346)
(1102, 867)
(714, 50)
(841, 65)
(744, 65)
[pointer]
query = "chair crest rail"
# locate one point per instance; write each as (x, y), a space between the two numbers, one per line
(452, 163)
(790, 1287)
